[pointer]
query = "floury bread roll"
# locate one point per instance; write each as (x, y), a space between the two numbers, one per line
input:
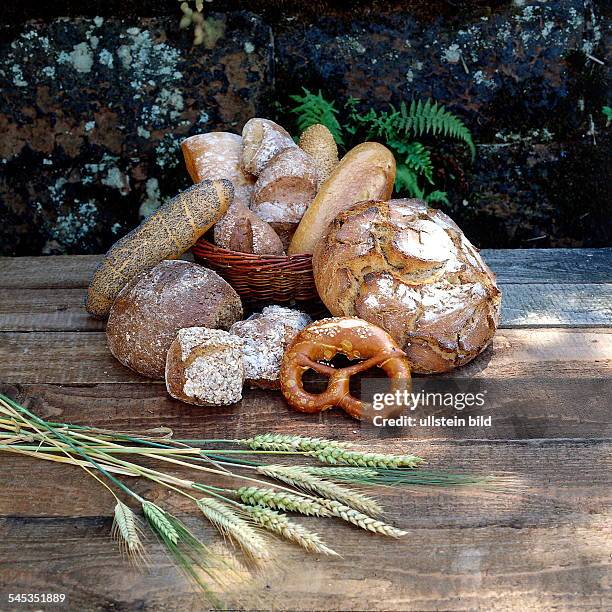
(262, 139)
(366, 172)
(410, 269)
(166, 234)
(149, 311)
(218, 155)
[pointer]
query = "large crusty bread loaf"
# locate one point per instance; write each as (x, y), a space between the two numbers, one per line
(366, 172)
(149, 311)
(218, 155)
(410, 270)
(167, 234)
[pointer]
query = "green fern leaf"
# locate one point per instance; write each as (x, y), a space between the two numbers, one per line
(417, 157)
(437, 197)
(314, 108)
(406, 180)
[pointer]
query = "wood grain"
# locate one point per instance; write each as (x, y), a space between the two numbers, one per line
(83, 357)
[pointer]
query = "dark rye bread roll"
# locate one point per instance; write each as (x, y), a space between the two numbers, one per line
(410, 269)
(149, 311)
(166, 234)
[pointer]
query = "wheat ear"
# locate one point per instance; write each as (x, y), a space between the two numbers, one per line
(361, 520)
(159, 521)
(288, 443)
(127, 531)
(278, 523)
(325, 488)
(281, 500)
(232, 525)
(334, 456)
(340, 472)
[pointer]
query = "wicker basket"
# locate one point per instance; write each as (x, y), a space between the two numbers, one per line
(269, 279)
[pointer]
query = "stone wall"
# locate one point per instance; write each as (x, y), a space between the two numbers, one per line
(93, 108)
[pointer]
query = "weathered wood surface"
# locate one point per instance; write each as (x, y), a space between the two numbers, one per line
(543, 544)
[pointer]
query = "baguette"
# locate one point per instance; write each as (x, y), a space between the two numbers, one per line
(366, 172)
(167, 234)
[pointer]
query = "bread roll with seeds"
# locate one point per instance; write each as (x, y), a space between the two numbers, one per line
(166, 234)
(262, 139)
(204, 367)
(366, 172)
(319, 143)
(410, 270)
(218, 155)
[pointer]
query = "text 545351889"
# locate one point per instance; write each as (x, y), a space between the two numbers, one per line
(29, 598)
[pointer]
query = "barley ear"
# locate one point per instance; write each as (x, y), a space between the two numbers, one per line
(127, 531)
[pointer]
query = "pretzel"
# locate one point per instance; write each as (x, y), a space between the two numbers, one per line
(322, 341)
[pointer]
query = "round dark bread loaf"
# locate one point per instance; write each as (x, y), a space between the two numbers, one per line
(411, 270)
(149, 311)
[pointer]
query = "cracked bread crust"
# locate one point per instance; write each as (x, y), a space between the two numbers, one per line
(411, 270)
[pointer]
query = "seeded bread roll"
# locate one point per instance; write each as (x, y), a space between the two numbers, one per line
(262, 140)
(166, 234)
(366, 172)
(218, 155)
(266, 335)
(151, 309)
(204, 367)
(410, 270)
(319, 143)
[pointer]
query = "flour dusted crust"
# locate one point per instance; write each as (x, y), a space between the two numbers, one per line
(410, 269)
(289, 178)
(218, 155)
(262, 140)
(266, 335)
(240, 229)
(151, 309)
(204, 367)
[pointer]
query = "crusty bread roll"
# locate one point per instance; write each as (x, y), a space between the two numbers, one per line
(204, 367)
(266, 335)
(240, 229)
(289, 178)
(410, 269)
(218, 155)
(262, 139)
(166, 234)
(319, 143)
(283, 218)
(151, 309)
(366, 172)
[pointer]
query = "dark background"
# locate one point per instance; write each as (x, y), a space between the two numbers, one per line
(95, 98)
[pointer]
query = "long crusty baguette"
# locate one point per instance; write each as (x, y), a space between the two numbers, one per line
(366, 172)
(167, 234)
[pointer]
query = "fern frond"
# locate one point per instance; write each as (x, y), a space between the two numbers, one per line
(417, 157)
(406, 180)
(428, 118)
(437, 197)
(313, 109)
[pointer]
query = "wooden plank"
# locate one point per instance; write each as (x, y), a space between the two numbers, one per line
(557, 266)
(561, 567)
(83, 358)
(54, 271)
(524, 408)
(510, 265)
(523, 305)
(550, 305)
